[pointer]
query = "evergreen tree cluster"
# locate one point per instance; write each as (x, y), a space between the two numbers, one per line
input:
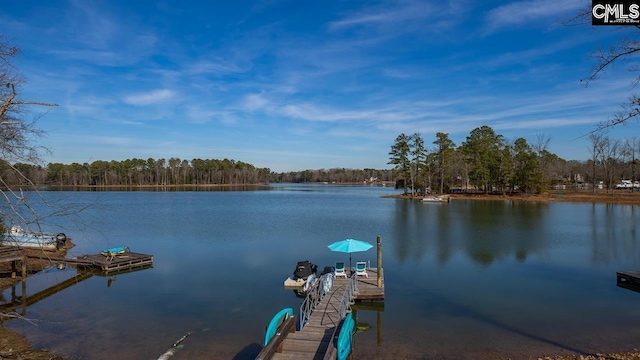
(486, 162)
(137, 172)
(162, 172)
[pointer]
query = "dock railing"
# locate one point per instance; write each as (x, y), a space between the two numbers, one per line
(314, 296)
(348, 296)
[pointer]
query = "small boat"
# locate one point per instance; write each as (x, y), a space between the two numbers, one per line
(17, 236)
(437, 198)
(303, 276)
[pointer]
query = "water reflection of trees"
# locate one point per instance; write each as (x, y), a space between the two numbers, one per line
(485, 231)
(490, 231)
(614, 233)
(496, 230)
(409, 225)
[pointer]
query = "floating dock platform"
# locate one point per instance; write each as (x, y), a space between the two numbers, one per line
(107, 264)
(629, 280)
(628, 277)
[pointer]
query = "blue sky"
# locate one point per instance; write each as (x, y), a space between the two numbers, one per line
(294, 85)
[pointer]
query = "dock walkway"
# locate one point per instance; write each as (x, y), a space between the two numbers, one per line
(315, 340)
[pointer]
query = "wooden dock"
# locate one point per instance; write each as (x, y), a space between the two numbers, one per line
(14, 255)
(315, 340)
(628, 280)
(628, 277)
(322, 332)
(84, 272)
(126, 261)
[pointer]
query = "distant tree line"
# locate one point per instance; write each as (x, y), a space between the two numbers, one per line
(162, 172)
(489, 163)
(335, 175)
(134, 172)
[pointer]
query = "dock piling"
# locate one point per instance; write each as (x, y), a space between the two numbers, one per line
(379, 244)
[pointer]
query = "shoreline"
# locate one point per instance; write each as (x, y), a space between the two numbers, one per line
(621, 197)
(14, 345)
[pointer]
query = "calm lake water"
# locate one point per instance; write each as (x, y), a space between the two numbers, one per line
(465, 280)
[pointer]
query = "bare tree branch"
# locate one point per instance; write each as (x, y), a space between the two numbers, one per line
(630, 110)
(625, 49)
(615, 53)
(8, 102)
(583, 17)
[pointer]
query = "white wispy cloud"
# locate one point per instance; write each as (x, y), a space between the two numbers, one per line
(13, 26)
(111, 140)
(96, 34)
(217, 66)
(385, 14)
(92, 25)
(148, 98)
(253, 102)
(313, 112)
(548, 123)
(529, 55)
(202, 115)
(397, 73)
(524, 12)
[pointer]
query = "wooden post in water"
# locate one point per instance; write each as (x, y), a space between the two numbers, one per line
(14, 269)
(24, 269)
(24, 284)
(379, 261)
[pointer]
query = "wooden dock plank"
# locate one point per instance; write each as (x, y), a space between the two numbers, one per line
(298, 356)
(306, 343)
(308, 335)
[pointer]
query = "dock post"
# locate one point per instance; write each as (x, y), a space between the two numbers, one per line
(379, 261)
(24, 284)
(24, 269)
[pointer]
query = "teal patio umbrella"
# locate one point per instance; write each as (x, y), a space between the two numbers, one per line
(350, 246)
